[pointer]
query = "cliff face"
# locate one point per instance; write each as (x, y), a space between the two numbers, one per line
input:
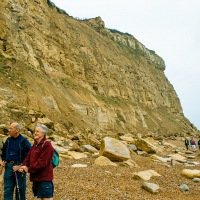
(80, 74)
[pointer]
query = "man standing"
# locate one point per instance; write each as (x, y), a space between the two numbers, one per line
(187, 143)
(38, 164)
(14, 151)
(199, 144)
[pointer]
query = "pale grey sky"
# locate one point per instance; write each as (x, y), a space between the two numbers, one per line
(169, 27)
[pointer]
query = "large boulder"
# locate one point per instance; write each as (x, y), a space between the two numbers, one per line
(145, 145)
(114, 150)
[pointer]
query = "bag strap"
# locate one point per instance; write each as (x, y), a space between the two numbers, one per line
(44, 143)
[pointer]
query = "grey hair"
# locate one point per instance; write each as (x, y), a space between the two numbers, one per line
(16, 125)
(43, 127)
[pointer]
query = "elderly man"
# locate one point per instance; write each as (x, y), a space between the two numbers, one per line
(14, 151)
(38, 164)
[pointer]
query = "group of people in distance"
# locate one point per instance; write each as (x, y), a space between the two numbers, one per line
(19, 157)
(192, 144)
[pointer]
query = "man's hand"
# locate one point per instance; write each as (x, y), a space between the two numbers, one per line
(3, 164)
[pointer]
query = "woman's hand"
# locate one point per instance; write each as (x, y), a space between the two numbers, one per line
(23, 168)
(16, 168)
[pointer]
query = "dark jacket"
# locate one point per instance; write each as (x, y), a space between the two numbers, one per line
(24, 146)
(186, 142)
(38, 161)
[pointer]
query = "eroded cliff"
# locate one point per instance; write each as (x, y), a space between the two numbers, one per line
(81, 75)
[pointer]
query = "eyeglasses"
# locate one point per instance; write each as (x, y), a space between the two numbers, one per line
(10, 129)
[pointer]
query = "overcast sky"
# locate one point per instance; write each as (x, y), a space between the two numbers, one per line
(169, 27)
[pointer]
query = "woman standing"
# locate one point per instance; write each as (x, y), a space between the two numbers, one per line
(38, 164)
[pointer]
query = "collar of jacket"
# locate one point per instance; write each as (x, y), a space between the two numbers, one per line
(40, 143)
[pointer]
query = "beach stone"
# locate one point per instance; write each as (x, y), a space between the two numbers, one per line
(151, 187)
(196, 179)
(103, 161)
(191, 173)
(184, 187)
(145, 175)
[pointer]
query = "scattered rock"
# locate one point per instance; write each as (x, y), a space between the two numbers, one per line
(191, 157)
(151, 187)
(184, 187)
(191, 173)
(145, 175)
(158, 158)
(178, 158)
(196, 179)
(89, 148)
(131, 163)
(132, 147)
(103, 161)
(77, 155)
(78, 165)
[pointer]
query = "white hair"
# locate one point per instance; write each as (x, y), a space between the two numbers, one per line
(44, 128)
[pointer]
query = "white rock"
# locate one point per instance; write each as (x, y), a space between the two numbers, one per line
(151, 187)
(78, 165)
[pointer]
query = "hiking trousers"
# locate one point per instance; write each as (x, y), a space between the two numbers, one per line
(10, 183)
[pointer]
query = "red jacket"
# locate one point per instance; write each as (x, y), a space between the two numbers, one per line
(38, 161)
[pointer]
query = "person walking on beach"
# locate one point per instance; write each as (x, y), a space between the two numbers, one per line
(187, 143)
(193, 144)
(199, 144)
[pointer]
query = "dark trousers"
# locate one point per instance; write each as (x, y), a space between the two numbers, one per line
(10, 183)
